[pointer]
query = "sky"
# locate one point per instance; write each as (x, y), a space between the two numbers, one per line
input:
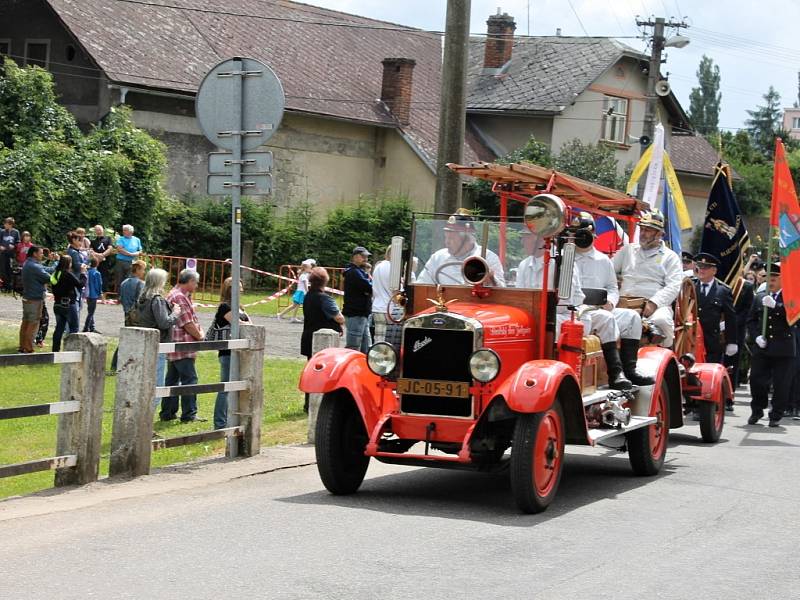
(755, 44)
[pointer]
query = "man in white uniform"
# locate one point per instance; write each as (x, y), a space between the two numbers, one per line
(651, 270)
(597, 272)
(530, 274)
(459, 245)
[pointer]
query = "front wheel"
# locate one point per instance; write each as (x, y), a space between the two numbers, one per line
(647, 446)
(712, 419)
(341, 439)
(537, 457)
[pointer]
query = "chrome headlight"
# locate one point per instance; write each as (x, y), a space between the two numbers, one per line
(484, 365)
(382, 359)
(545, 215)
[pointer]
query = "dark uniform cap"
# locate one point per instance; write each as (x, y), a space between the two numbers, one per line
(704, 258)
(775, 268)
(686, 256)
(582, 220)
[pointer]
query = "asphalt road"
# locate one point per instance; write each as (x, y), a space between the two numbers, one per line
(283, 337)
(718, 522)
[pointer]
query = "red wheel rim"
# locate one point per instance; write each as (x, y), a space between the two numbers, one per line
(547, 453)
(658, 431)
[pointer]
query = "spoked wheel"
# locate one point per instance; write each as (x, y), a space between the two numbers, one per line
(686, 323)
(647, 446)
(712, 419)
(537, 457)
(340, 442)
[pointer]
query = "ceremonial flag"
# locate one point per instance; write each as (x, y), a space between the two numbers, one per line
(672, 229)
(610, 236)
(653, 180)
(785, 219)
(724, 232)
(678, 202)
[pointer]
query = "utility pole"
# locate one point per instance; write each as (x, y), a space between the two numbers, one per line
(453, 108)
(654, 71)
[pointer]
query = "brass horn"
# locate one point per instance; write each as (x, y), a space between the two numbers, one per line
(475, 270)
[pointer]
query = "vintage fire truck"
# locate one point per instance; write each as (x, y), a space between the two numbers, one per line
(478, 377)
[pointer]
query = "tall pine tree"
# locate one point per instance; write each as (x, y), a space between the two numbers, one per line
(704, 100)
(766, 123)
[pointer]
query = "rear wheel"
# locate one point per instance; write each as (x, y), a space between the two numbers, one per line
(340, 442)
(647, 446)
(537, 456)
(712, 420)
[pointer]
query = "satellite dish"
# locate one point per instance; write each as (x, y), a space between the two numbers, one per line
(663, 88)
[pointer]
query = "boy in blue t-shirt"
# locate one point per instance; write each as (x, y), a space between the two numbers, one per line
(94, 287)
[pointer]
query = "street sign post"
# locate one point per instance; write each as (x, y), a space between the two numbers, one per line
(239, 106)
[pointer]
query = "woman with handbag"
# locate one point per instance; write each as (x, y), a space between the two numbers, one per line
(154, 312)
(66, 289)
(221, 330)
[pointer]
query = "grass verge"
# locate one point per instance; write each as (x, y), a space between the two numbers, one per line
(284, 421)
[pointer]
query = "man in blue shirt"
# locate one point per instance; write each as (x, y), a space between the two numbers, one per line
(129, 247)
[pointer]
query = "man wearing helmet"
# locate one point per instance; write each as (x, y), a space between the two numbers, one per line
(652, 271)
(459, 245)
(597, 272)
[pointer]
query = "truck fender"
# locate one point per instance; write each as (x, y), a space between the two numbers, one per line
(334, 369)
(715, 383)
(661, 364)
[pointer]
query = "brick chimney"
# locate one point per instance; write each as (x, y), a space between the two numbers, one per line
(396, 86)
(499, 40)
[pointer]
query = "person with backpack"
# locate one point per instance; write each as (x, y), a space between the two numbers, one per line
(66, 289)
(129, 292)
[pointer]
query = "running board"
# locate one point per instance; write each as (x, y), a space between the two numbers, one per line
(599, 396)
(600, 435)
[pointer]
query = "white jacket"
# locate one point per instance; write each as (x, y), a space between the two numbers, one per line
(597, 271)
(654, 274)
(531, 272)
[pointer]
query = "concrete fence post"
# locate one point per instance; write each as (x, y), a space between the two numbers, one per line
(132, 431)
(251, 400)
(323, 338)
(80, 432)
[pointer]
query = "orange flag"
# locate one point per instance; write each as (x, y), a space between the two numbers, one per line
(785, 218)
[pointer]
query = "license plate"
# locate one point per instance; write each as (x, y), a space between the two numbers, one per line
(428, 387)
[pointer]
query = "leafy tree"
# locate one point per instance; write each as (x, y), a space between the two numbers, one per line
(766, 123)
(704, 101)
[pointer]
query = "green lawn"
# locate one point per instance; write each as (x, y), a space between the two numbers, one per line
(265, 309)
(35, 437)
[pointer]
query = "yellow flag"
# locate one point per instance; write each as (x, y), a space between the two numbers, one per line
(684, 221)
(639, 170)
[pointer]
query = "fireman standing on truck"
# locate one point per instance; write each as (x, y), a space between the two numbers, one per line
(597, 271)
(649, 269)
(444, 266)
(530, 274)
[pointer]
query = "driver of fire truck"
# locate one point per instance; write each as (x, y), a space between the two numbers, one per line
(444, 266)
(650, 270)
(596, 271)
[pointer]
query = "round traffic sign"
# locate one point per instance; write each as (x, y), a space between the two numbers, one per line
(260, 101)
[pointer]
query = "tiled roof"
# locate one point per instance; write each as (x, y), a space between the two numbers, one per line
(544, 74)
(693, 154)
(325, 70)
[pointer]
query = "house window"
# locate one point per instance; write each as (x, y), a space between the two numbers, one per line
(795, 122)
(37, 52)
(5, 47)
(615, 117)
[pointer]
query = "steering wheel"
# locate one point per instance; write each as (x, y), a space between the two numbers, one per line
(452, 263)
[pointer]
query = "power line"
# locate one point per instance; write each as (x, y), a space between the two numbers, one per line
(575, 12)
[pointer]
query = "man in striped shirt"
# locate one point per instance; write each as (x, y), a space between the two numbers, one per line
(181, 368)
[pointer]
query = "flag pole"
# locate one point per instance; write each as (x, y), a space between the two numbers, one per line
(769, 268)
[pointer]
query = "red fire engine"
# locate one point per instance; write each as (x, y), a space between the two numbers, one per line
(482, 375)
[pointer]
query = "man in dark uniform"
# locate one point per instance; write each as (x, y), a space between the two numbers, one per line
(773, 353)
(714, 303)
(687, 260)
(742, 306)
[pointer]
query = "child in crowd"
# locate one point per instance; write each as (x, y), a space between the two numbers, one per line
(22, 247)
(94, 286)
(300, 293)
